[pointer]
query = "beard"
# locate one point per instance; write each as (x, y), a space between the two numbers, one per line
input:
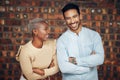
(74, 26)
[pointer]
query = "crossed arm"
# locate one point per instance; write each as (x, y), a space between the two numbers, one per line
(41, 71)
(65, 65)
(84, 64)
(35, 73)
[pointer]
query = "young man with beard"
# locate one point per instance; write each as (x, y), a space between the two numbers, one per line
(79, 49)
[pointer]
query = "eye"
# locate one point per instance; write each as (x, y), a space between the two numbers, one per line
(67, 18)
(46, 29)
(75, 16)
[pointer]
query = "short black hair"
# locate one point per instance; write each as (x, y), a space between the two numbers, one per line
(70, 6)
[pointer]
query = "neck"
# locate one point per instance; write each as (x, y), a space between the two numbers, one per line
(37, 43)
(78, 30)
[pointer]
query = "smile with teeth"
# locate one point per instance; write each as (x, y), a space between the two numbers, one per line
(73, 25)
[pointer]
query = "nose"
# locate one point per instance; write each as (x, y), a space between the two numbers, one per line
(72, 20)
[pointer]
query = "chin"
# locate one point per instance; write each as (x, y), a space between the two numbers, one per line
(45, 39)
(74, 29)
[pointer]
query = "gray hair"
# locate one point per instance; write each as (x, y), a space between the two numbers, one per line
(32, 23)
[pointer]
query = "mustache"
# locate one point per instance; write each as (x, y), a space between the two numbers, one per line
(73, 22)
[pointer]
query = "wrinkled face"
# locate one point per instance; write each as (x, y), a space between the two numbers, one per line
(42, 31)
(72, 19)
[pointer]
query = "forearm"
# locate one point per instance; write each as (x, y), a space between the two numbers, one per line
(51, 71)
(91, 61)
(39, 71)
(53, 68)
(70, 68)
(27, 69)
(64, 64)
(95, 59)
(31, 75)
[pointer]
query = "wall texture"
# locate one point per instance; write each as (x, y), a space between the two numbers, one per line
(100, 15)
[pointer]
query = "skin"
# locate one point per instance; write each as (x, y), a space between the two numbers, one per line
(40, 34)
(72, 18)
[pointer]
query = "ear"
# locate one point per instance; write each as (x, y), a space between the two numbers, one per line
(35, 31)
(80, 16)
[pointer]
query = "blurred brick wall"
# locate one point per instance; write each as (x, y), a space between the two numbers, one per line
(100, 15)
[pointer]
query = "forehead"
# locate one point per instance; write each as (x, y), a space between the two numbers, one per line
(70, 12)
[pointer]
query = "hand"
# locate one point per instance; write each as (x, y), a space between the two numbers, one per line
(51, 64)
(72, 60)
(93, 53)
(39, 71)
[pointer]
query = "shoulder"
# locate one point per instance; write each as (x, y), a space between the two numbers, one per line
(90, 31)
(27, 45)
(23, 51)
(50, 45)
(50, 42)
(64, 36)
(27, 48)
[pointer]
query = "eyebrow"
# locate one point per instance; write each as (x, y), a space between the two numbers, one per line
(72, 16)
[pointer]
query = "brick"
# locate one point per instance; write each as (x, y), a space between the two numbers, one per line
(117, 43)
(118, 37)
(45, 16)
(35, 15)
(0, 53)
(110, 11)
(2, 8)
(118, 11)
(111, 17)
(55, 16)
(1, 35)
(7, 35)
(7, 29)
(16, 72)
(5, 41)
(60, 23)
(1, 2)
(23, 22)
(4, 53)
(25, 3)
(10, 72)
(2, 78)
(2, 60)
(11, 9)
(43, 3)
(2, 21)
(13, 22)
(118, 56)
(26, 35)
(104, 11)
(102, 30)
(1, 72)
(36, 9)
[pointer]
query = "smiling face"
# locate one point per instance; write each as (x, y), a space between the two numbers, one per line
(41, 32)
(72, 18)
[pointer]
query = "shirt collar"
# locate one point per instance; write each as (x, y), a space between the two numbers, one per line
(73, 33)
